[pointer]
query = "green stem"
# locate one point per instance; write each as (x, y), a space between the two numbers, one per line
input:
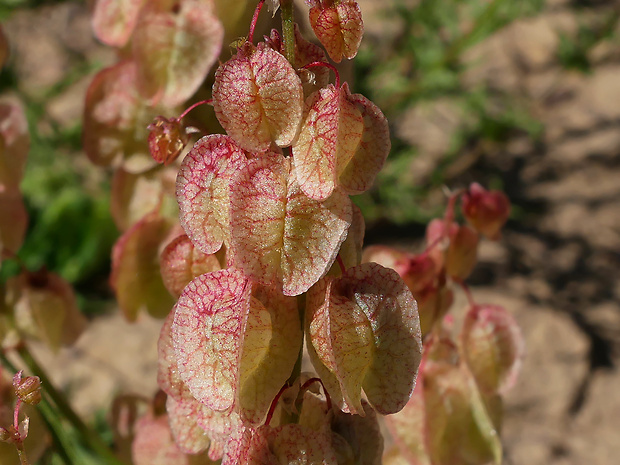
(288, 30)
(91, 438)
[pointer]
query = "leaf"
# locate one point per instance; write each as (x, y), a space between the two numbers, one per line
(365, 329)
(330, 134)
(187, 413)
(181, 262)
(135, 274)
(280, 237)
(271, 346)
(45, 308)
(189, 437)
(351, 249)
(459, 430)
(493, 347)
(136, 195)
(203, 190)
(358, 175)
(258, 98)
(207, 333)
(175, 45)
(339, 28)
(116, 119)
(114, 20)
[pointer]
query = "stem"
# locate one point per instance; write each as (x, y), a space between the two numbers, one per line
(202, 102)
(288, 30)
(23, 460)
(254, 20)
(343, 268)
(274, 403)
(326, 65)
(465, 287)
(90, 437)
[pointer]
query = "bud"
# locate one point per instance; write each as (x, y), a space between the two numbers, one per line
(27, 389)
(486, 211)
(167, 138)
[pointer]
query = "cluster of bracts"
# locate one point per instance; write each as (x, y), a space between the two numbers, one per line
(268, 253)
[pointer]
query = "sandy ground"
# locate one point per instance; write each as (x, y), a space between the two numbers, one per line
(557, 270)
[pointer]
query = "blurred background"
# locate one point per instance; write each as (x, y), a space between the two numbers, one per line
(522, 96)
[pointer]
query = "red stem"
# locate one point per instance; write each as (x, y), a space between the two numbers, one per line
(16, 414)
(197, 104)
(274, 403)
(343, 268)
(326, 65)
(309, 383)
(255, 20)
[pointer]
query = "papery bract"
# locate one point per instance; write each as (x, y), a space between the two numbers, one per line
(14, 143)
(207, 334)
(135, 268)
(446, 422)
(486, 211)
(338, 27)
(258, 98)
(186, 412)
(114, 20)
(136, 195)
(154, 444)
(45, 308)
(453, 246)
(492, 347)
(279, 236)
(458, 427)
(181, 262)
(115, 120)
(271, 345)
(330, 135)
(433, 304)
(290, 444)
(362, 325)
(175, 44)
(13, 220)
(203, 190)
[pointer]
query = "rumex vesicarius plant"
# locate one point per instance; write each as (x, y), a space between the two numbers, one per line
(254, 235)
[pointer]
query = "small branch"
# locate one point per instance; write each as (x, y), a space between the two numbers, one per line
(274, 403)
(197, 104)
(343, 268)
(255, 20)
